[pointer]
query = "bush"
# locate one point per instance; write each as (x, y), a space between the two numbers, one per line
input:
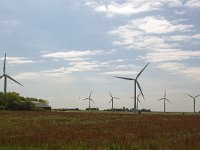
(13, 101)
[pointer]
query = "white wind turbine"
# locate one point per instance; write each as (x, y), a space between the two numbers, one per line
(136, 83)
(89, 99)
(194, 98)
(7, 76)
(164, 100)
(112, 100)
(138, 101)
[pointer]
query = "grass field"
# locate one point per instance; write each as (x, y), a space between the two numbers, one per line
(23, 130)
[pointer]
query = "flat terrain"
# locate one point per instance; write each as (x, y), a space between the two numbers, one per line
(24, 130)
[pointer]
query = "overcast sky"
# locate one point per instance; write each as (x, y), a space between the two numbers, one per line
(61, 50)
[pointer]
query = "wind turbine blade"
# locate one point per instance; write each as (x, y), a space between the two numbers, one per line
(116, 97)
(139, 101)
(138, 95)
(110, 101)
(141, 71)
(168, 100)
(139, 88)
(110, 94)
(92, 100)
(1, 76)
(197, 96)
(13, 79)
(85, 98)
(124, 78)
(4, 67)
(165, 94)
(160, 99)
(190, 95)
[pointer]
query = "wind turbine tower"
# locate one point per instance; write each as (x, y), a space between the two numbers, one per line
(136, 83)
(194, 98)
(112, 100)
(7, 76)
(138, 100)
(164, 100)
(89, 99)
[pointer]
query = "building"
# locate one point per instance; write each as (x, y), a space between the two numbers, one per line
(42, 105)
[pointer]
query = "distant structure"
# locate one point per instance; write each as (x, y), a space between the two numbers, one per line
(194, 98)
(136, 83)
(42, 105)
(89, 99)
(112, 100)
(164, 100)
(7, 76)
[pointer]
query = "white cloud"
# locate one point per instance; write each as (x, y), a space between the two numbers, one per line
(151, 33)
(17, 60)
(158, 25)
(163, 42)
(77, 66)
(124, 69)
(132, 7)
(151, 25)
(71, 54)
(10, 22)
(86, 65)
(170, 55)
(125, 72)
(127, 8)
(179, 68)
(184, 37)
(192, 3)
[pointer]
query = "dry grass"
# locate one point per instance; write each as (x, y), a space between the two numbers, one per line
(106, 131)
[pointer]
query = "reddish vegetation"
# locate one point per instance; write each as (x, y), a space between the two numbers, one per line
(84, 130)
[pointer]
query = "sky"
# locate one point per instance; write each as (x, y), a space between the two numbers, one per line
(61, 50)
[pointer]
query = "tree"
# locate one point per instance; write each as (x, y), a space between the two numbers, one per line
(13, 101)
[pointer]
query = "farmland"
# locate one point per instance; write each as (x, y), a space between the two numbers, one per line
(24, 130)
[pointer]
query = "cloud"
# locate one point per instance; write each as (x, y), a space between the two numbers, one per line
(192, 3)
(127, 8)
(179, 68)
(132, 7)
(71, 54)
(27, 75)
(87, 65)
(149, 33)
(120, 72)
(80, 66)
(170, 55)
(10, 22)
(153, 33)
(123, 69)
(158, 25)
(184, 37)
(165, 42)
(17, 60)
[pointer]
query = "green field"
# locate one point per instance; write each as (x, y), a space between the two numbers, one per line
(26, 130)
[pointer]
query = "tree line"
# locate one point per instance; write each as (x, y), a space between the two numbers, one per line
(13, 101)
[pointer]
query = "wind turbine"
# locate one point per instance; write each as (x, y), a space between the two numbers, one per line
(89, 99)
(7, 76)
(165, 99)
(138, 100)
(136, 83)
(112, 100)
(194, 98)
